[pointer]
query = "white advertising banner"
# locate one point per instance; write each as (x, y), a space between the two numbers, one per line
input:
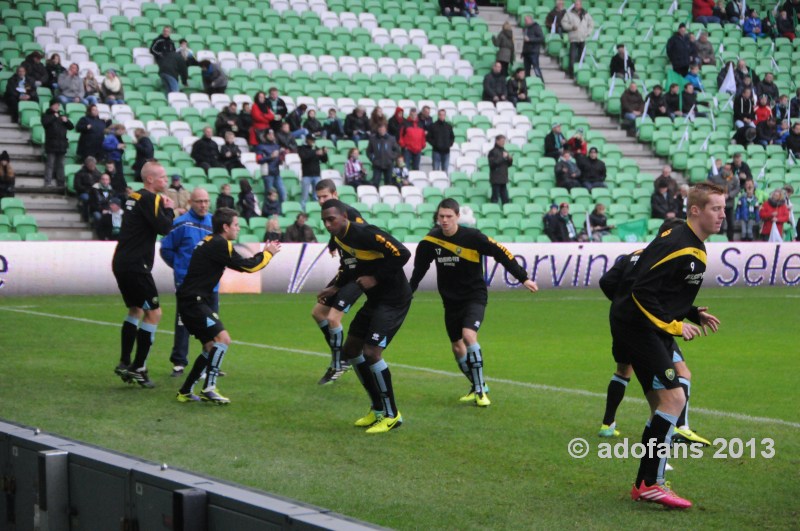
(84, 268)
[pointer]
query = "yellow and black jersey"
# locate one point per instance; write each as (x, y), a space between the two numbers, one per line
(145, 218)
(210, 258)
(367, 250)
(459, 264)
(618, 280)
(354, 216)
(668, 275)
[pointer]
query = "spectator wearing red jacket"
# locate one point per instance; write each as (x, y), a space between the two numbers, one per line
(703, 11)
(412, 140)
(762, 111)
(262, 117)
(773, 210)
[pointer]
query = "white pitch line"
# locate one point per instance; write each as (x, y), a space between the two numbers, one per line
(527, 385)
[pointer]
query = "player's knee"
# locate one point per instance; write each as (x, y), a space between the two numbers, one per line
(318, 312)
(223, 337)
(672, 400)
(469, 336)
(152, 316)
(683, 371)
(372, 353)
(624, 370)
(135, 312)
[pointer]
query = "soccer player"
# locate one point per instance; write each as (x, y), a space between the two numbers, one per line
(643, 323)
(459, 276)
(329, 312)
(213, 254)
(374, 260)
(176, 251)
(617, 283)
(147, 214)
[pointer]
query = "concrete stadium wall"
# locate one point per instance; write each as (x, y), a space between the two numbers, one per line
(54, 484)
(84, 268)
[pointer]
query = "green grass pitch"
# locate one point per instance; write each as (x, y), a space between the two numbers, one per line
(451, 466)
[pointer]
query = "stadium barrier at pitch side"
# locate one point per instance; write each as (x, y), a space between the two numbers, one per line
(84, 268)
(55, 484)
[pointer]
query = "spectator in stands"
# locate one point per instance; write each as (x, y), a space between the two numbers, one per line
(768, 88)
(504, 41)
(752, 26)
(7, 178)
(101, 195)
(679, 51)
(792, 143)
(354, 174)
(56, 124)
(532, 41)
(792, 8)
(549, 222)
(227, 120)
(598, 223)
(205, 151)
(673, 100)
(794, 104)
(36, 71)
(70, 86)
(563, 227)
(631, 107)
(92, 132)
(448, 8)
(703, 12)
(774, 211)
(441, 138)
(742, 71)
(693, 78)
(163, 45)
(272, 204)
(356, 125)
(689, 100)
(567, 172)
(743, 110)
(144, 151)
(592, 171)
(554, 142)
(621, 64)
(244, 121)
(313, 126)
(730, 183)
(300, 232)
(744, 136)
(86, 177)
(517, 88)
(682, 200)
(273, 232)
(278, 107)
(733, 11)
(781, 109)
(662, 203)
(295, 121)
(424, 118)
(746, 84)
(716, 169)
(179, 195)
(762, 110)
(740, 169)
(262, 116)
(310, 159)
(412, 140)
(376, 119)
(470, 9)
(111, 89)
(499, 162)
(171, 68)
(333, 126)
(395, 123)
(225, 199)
(554, 18)
(54, 69)
(270, 155)
(118, 182)
(285, 138)
(658, 103)
(186, 52)
(577, 145)
(783, 133)
(247, 204)
(666, 175)
(111, 223)
(114, 147)
(19, 88)
(91, 87)
(785, 25)
(705, 51)
(215, 81)
(400, 173)
(494, 85)
(579, 26)
(229, 153)
(747, 211)
(382, 151)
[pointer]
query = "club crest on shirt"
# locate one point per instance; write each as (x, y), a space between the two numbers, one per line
(670, 374)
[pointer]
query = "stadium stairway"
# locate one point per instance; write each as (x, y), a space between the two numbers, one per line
(579, 99)
(56, 215)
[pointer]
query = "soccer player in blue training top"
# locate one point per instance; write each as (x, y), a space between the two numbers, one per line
(213, 254)
(617, 283)
(643, 323)
(329, 311)
(459, 275)
(147, 214)
(374, 260)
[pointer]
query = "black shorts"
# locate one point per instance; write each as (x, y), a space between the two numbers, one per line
(138, 290)
(200, 319)
(377, 322)
(343, 299)
(458, 316)
(651, 354)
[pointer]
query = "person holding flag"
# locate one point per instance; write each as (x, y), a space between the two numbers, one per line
(774, 213)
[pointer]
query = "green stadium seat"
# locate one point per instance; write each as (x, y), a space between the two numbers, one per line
(12, 207)
(36, 237)
(24, 224)
(10, 237)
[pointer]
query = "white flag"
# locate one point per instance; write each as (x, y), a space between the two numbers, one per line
(622, 7)
(720, 49)
(762, 173)
(583, 54)
(729, 83)
(743, 13)
(684, 137)
(791, 214)
(648, 34)
(713, 120)
(553, 27)
(754, 95)
(644, 111)
(689, 115)
(611, 87)
(704, 147)
(714, 169)
(588, 227)
(774, 234)
(672, 7)
(774, 64)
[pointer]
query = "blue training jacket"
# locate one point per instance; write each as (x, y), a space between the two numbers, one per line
(178, 245)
